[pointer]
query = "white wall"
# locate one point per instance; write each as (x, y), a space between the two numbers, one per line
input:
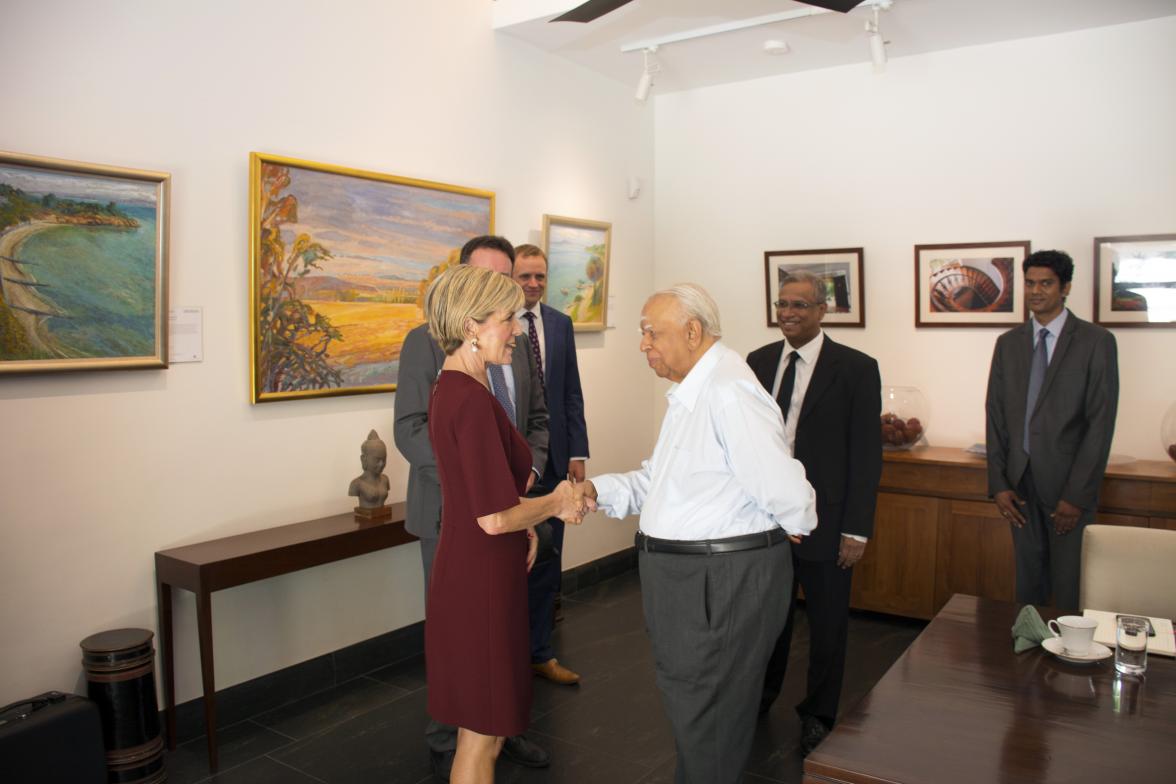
(1056, 140)
(100, 470)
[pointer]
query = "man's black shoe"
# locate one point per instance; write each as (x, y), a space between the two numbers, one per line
(523, 752)
(442, 762)
(812, 732)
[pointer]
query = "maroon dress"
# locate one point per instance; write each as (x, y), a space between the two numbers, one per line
(477, 638)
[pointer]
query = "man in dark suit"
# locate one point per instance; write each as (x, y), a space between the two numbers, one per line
(420, 363)
(553, 347)
(1053, 390)
(831, 399)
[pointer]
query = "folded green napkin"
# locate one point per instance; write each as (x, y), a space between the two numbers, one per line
(1029, 630)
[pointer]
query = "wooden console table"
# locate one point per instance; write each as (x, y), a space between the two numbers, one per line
(936, 533)
(235, 560)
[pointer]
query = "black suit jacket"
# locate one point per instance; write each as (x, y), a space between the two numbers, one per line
(838, 440)
(1071, 426)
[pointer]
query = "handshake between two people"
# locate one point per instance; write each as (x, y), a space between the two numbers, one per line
(576, 499)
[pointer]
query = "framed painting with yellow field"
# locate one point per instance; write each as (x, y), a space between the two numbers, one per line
(83, 266)
(339, 262)
(577, 269)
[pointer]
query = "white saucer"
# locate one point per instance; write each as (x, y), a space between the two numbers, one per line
(1096, 653)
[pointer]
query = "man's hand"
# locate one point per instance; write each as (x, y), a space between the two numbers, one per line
(530, 481)
(851, 552)
(1065, 517)
(1009, 504)
(576, 470)
(585, 495)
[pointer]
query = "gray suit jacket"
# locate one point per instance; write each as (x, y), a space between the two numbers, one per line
(420, 364)
(1071, 426)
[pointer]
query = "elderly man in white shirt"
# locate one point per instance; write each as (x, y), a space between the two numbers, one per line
(719, 499)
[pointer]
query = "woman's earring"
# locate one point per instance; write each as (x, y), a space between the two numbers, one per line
(474, 345)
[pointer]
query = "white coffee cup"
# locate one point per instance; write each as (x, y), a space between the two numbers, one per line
(1076, 631)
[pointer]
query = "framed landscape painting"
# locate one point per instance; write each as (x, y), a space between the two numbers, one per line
(840, 268)
(577, 269)
(339, 263)
(1135, 281)
(83, 266)
(970, 284)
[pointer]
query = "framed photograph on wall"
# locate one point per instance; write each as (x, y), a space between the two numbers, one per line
(339, 260)
(83, 266)
(577, 269)
(1135, 281)
(970, 284)
(840, 268)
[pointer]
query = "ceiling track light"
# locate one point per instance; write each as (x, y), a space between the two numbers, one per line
(651, 67)
(874, 34)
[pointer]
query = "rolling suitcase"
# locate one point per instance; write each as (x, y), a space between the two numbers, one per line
(52, 738)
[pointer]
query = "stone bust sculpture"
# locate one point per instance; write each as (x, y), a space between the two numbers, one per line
(372, 486)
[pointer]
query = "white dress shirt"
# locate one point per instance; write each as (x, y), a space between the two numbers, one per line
(806, 360)
(720, 467)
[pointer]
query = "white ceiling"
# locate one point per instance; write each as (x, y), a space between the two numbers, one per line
(822, 41)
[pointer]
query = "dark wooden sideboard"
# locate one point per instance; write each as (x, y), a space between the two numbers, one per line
(937, 534)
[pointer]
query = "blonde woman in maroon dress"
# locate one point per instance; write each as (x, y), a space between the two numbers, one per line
(477, 642)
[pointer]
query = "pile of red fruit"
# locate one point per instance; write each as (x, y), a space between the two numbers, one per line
(1172, 451)
(900, 432)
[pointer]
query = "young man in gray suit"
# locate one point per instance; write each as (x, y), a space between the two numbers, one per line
(1053, 389)
(420, 362)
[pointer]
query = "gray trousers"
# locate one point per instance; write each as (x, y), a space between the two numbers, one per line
(713, 621)
(1048, 564)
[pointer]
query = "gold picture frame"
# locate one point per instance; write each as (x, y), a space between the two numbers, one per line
(339, 260)
(578, 267)
(83, 266)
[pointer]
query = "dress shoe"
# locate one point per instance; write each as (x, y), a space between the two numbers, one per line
(555, 672)
(523, 752)
(442, 762)
(812, 732)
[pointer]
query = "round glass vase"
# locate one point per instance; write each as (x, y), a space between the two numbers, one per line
(1168, 432)
(906, 416)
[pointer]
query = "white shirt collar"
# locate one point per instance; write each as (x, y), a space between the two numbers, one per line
(809, 351)
(688, 389)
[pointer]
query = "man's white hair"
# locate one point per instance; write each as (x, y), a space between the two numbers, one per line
(696, 304)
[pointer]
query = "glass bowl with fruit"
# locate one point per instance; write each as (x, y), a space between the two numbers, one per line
(905, 418)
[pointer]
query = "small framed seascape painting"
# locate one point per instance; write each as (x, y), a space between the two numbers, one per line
(839, 268)
(1135, 281)
(970, 284)
(83, 266)
(577, 269)
(339, 263)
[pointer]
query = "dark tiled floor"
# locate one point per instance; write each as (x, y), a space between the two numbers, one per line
(611, 728)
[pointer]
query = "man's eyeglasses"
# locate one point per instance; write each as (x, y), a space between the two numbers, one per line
(799, 305)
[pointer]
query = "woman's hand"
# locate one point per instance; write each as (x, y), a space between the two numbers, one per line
(571, 504)
(532, 547)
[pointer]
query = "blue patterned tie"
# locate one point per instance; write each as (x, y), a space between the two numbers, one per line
(1036, 378)
(498, 387)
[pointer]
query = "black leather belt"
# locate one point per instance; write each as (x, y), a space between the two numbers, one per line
(734, 544)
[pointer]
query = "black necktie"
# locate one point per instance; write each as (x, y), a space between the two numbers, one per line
(784, 396)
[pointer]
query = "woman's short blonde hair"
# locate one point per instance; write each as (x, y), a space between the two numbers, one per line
(467, 293)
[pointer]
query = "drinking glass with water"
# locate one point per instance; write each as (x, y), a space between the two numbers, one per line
(1131, 644)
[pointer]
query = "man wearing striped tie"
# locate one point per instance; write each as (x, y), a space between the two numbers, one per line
(1053, 389)
(552, 342)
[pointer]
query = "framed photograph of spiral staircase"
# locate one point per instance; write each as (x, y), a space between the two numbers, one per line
(970, 284)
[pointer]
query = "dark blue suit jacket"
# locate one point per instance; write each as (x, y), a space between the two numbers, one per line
(568, 434)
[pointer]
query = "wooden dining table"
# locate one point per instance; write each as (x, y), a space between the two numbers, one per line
(960, 706)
